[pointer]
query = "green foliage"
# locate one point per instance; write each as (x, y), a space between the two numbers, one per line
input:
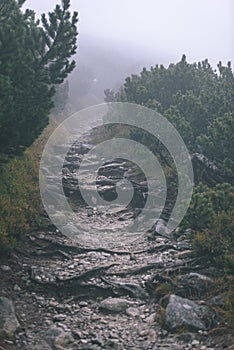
(206, 203)
(217, 240)
(199, 101)
(34, 56)
(181, 124)
(211, 217)
(218, 142)
(229, 264)
(21, 209)
(201, 212)
(20, 205)
(194, 97)
(162, 290)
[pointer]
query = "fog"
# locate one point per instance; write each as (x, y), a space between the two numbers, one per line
(119, 37)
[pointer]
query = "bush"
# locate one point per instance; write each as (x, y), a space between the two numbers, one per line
(21, 208)
(217, 240)
(20, 205)
(211, 219)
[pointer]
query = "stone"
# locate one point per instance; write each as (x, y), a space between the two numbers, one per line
(8, 320)
(5, 268)
(83, 303)
(135, 290)
(186, 314)
(143, 332)
(186, 337)
(184, 254)
(151, 318)
(152, 337)
(195, 283)
(95, 317)
(52, 303)
(63, 308)
(132, 312)
(51, 335)
(85, 310)
(41, 345)
(160, 227)
(218, 300)
(17, 288)
(195, 342)
(115, 305)
(59, 318)
(99, 340)
(63, 341)
(57, 339)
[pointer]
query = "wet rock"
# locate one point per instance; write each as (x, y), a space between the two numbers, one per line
(17, 288)
(59, 318)
(86, 311)
(115, 305)
(8, 321)
(184, 254)
(41, 345)
(163, 333)
(135, 290)
(132, 312)
(152, 336)
(63, 341)
(160, 227)
(58, 339)
(195, 283)
(98, 340)
(113, 169)
(186, 337)
(184, 313)
(5, 268)
(150, 319)
(195, 342)
(83, 304)
(63, 308)
(218, 300)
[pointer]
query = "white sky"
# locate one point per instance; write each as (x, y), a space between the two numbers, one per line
(199, 28)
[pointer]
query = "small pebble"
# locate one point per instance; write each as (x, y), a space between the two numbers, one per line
(17, 288)
(83, 303)
(132, 312)
(59, 318)
(195, 342)
(5, 268)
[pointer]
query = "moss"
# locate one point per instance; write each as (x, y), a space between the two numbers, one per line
(162, 290)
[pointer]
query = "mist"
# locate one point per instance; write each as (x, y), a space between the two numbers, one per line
(119, 38)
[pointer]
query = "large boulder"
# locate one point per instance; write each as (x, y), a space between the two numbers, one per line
(8, 320)
(182, 313)
(195, 284)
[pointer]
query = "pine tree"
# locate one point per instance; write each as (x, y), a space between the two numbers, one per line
(35, 56)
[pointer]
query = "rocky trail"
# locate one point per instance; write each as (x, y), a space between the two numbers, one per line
(153, 293)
